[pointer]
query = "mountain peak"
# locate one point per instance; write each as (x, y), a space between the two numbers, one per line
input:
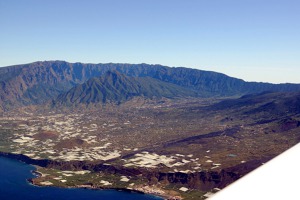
(116, 87)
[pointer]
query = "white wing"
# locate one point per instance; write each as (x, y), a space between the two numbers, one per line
(277, 179)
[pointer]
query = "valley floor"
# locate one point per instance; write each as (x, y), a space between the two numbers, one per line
(185, 147)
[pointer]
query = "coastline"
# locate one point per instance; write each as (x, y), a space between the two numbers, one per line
(140, 190)
(89, 187)
(145, 189)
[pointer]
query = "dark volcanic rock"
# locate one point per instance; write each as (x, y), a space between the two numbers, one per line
(276, 103)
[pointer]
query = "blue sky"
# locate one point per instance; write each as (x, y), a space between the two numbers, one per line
(256, 40)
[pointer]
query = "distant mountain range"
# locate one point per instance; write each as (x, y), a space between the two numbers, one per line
(67, 83)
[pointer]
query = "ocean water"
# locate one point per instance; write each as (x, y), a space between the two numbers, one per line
(13, 186)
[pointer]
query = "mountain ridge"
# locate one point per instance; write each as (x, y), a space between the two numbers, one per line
(116, 87)
(40, 82)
